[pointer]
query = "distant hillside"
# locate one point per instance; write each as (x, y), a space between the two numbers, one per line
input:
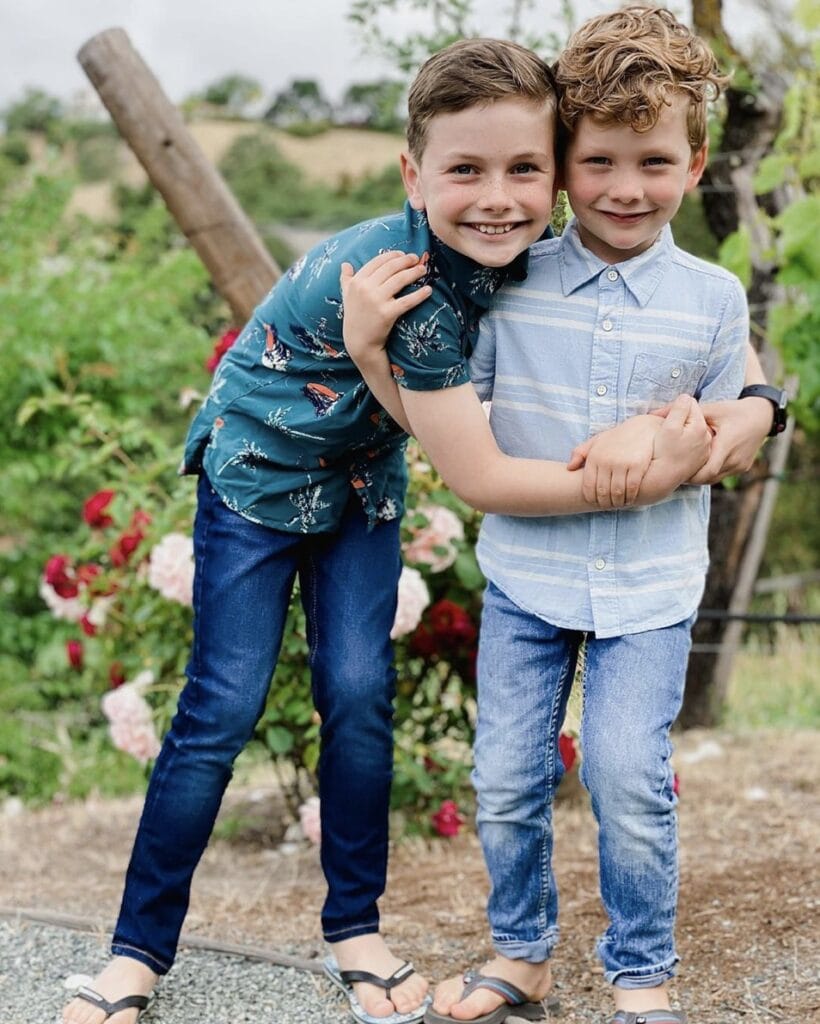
(335, 155)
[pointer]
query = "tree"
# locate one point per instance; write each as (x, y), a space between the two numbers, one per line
(302, 102)
(35, 112)
(373, 105)
(234, 92)
(443, 22)
(752, 214)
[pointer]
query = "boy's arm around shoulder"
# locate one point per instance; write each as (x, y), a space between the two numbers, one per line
(372, 304)
(452, 428)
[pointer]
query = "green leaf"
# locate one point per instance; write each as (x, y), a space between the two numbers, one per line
(771, 172)
(736, 254)
(279, 740)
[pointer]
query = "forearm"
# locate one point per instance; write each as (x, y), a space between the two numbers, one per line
(453, 430)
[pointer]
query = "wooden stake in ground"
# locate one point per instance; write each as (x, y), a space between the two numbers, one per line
(227, 243)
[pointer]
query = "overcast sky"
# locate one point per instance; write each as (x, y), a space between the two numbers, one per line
(191, 43)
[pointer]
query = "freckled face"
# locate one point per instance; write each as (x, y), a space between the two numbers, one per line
(486, 178)
(624, 186)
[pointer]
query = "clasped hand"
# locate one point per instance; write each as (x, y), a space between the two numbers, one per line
(645, 458)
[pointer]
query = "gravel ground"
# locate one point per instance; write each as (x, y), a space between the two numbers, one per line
(201, 988)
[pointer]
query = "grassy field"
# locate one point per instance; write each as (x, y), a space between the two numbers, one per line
(777, 685)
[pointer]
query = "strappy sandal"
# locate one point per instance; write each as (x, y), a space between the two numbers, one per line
(126, 1003)
(344, 980)
(517, 1003)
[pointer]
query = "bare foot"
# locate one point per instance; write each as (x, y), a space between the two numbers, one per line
(534, 979)
(122, 976)
(370, 953)
(640, 1000)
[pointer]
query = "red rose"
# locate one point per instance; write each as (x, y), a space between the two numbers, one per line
(116, 674)
(566, 748)
(221, 346)
(74, 653)
(422, 643)
(59, 574)
(94, 509)
(130, 539)
(451, 623)
(447, 821)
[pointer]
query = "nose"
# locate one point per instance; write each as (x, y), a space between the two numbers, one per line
(494, 195)
(626, 188)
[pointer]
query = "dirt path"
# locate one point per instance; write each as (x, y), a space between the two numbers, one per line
(748, 928)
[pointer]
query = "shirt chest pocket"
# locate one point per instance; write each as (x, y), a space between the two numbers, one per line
(658, 380)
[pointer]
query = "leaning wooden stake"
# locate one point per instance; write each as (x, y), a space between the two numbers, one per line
(199, 200)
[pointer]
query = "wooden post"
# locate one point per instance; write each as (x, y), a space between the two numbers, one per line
(242, 269)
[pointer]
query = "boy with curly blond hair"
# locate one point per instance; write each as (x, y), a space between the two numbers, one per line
(612, 322)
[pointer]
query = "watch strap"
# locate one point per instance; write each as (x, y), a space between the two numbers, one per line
(778, 398)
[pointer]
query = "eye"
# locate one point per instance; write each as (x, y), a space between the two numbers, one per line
(656, 161)
(597, 161)
(463, 169)
(524, 168)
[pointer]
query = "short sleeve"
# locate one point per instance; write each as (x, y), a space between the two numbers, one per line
(482, 360)
(426, 347)
(727, 361)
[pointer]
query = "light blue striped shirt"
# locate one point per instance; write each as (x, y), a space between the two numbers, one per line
(576, 348)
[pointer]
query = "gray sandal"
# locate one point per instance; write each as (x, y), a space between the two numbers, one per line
(126, 1003)
(517, 1003)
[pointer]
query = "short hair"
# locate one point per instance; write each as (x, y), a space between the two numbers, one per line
(625, 66)
(473, 72)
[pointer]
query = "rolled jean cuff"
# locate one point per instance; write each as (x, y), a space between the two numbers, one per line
(157, 966)
(351, 932)
(647, 977)
(535, 952)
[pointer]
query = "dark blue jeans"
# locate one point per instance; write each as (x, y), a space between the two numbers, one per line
(242, 586)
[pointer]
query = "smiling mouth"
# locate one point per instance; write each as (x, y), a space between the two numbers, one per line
(626, 218)
(494, 229)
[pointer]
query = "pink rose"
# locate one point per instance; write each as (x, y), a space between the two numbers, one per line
(434, 544)
(310, 820)
(413, 599)
(171, 568)
(130, 723)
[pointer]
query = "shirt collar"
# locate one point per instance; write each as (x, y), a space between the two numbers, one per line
(478, 283)
(641, 274)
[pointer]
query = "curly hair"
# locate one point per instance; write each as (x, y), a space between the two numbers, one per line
(474, 72)
(626, 66)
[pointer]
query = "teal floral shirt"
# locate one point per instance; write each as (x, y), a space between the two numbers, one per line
(289, 426)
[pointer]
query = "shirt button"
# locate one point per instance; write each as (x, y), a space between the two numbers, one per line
(607, 325)
(612, 275)
(675, 373)
(601, 390)
(600, 563)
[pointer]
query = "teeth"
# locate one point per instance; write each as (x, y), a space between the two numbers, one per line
(494, 229)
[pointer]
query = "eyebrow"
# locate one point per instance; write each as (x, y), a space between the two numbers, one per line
(477, 158)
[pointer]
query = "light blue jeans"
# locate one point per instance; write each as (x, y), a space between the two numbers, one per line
(632, 693)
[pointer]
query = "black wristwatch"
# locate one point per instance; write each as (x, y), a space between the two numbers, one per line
(779, 399)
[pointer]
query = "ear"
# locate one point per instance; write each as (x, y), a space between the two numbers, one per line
(697, 165)
(411, 176)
